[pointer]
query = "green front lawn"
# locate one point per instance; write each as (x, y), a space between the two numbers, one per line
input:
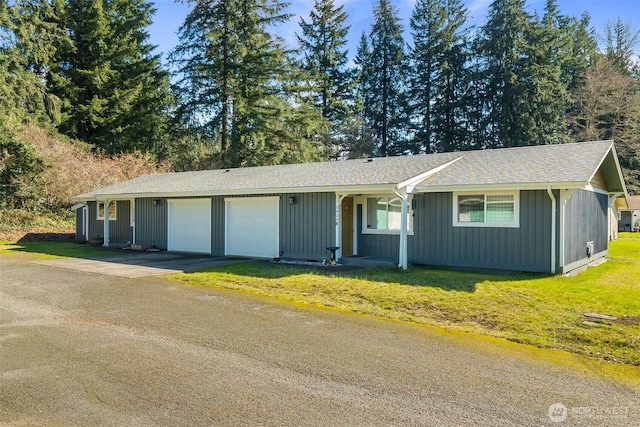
(545, 311)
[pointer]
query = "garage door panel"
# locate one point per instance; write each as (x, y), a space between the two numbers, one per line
(190, 225)
(252, 227)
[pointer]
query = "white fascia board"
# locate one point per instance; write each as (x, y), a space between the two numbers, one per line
(500, 187)
(77, 206)
(352, 189)
(412, 182)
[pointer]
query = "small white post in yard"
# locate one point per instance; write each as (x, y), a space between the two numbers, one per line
(106, 224)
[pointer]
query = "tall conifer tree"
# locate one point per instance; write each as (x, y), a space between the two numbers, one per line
(503, 50)
(114, 92)
(386, 106)
(324, 58)
(438, 78)
(237, 84)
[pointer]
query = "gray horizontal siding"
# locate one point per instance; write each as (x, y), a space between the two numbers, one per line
(585, 221)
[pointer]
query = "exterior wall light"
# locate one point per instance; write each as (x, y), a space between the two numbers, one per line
(292, 200)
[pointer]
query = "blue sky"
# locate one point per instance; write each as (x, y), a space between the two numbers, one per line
(170, 15)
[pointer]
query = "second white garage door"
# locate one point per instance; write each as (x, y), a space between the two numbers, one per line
(189, 225)
(252, 227)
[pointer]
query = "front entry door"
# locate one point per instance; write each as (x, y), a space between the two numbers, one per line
(347, 226)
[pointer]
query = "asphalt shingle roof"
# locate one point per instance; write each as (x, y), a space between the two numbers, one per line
(379, 171)
(568, 163)
(528, 165)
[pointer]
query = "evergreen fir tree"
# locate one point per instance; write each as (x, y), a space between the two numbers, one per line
(237, 84)
(503, 48)
(386, 107)
(324, 59)
(549, 49)
(114, 92)
(28, 35)
(438, 78)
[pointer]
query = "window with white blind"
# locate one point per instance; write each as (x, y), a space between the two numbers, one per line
(486, 210)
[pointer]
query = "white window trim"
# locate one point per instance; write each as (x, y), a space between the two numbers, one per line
(516, 208)
(366, 230)
(115, 211)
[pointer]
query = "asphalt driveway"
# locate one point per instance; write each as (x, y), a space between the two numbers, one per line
(81, 348)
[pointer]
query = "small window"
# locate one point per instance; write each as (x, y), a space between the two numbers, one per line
(488, 210)
(384, 214)
(112, 211)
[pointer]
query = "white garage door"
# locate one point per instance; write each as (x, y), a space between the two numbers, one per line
(189, 225)
(252, 227)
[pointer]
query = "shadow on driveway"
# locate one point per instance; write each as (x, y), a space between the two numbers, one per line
(141, 264)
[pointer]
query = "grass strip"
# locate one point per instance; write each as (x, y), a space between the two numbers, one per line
(544, 311)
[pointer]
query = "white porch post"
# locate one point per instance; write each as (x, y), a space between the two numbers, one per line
(106, 224)
(85, 222)
(404, 225)
(339, 198)
(564, 196)
(553, 229)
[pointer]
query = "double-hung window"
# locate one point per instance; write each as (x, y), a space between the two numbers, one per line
(383, 214)
(486, 210)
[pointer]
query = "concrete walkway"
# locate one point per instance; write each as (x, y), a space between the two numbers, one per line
(141, 264)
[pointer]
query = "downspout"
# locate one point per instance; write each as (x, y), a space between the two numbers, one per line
(553, 229)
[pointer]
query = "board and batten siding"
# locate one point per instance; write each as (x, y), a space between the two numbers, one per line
(308, 226)
(585, 221)
(152, 222)
(80, 237)
(120, 230)
(435, 241)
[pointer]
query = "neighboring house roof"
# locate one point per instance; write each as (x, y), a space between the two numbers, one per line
(572, 165)
(633, 203)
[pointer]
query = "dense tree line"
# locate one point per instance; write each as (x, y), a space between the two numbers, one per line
(237, 95)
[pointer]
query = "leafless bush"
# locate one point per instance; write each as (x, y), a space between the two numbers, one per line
(74, 169)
